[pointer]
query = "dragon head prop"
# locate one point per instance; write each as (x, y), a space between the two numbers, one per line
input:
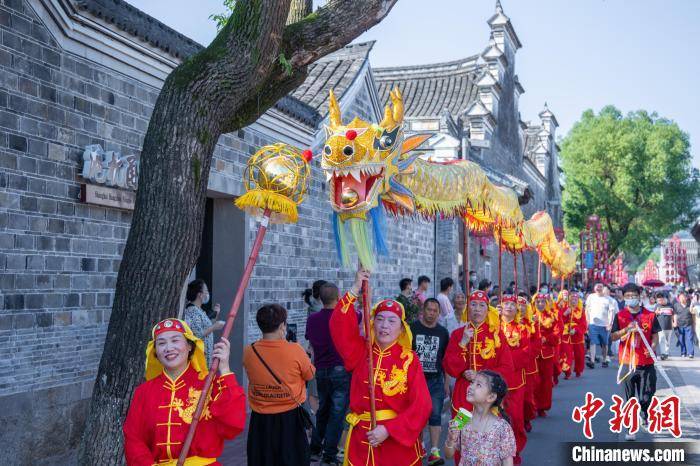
(362, 162)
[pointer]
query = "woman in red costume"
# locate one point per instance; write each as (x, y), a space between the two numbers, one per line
(517, 336)
(403, 403)
(161, 410)
(529, 321)
(547, 319)
(573, 348)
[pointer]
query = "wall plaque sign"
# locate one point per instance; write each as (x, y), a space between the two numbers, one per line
(112, 178)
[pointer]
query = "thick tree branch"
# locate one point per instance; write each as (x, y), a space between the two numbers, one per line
(331, 27)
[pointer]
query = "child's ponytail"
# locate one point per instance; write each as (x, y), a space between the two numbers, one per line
(500, 389)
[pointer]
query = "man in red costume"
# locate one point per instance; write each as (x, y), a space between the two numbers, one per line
(528, 319)
(547, 319)
(403, 403)
(572, 349)
(517, 337)
(563, 314)
(474, 347)
(161, 410)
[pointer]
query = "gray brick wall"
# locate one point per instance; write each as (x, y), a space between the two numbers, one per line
(59, 258)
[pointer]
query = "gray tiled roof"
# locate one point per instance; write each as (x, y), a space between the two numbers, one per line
(531, 142)
(429, 89)
(336, 71)
(135, 22)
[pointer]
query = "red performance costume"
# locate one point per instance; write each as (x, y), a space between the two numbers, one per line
(531, 371)
(561, 306)
(161, 409)
(573, 349)
(547, 323)
(403, 402)
(517, 337)
(484, 351)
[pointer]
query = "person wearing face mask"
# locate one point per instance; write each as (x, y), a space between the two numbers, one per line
(640, 380)
(684, 322)
(547, 323)
(664, 314)
(198, 320)
(402, 399)
(277, 372)
(478, 345)
(161, 409)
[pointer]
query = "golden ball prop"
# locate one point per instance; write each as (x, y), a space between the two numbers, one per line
(276, 178)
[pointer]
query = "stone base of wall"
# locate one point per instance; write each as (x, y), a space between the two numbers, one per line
(46, 425)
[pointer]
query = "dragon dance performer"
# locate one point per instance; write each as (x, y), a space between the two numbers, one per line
(528, 319)
(474, 347)
(517, 337)
(403, 402)
(561, 305)
(572, 350)
(547, 318)
(162, 407)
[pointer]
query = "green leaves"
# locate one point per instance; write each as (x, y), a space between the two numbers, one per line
(633, 171)
(222, 18)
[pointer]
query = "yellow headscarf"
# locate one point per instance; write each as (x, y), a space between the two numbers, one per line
(198, 360)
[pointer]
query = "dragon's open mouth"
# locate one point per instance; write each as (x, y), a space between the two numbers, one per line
(354, 189)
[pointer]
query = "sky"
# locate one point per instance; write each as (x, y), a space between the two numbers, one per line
(576, 55)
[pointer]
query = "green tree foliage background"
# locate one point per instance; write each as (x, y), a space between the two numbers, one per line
(635, 173)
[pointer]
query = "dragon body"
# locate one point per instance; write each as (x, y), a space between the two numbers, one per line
(372, 168)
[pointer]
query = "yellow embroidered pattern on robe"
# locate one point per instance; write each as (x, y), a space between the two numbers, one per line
(398, 378)
(513, 338)
(187, 412)
(487, 349)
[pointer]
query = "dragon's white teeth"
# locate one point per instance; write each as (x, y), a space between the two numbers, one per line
(356, 174)
(329, 175)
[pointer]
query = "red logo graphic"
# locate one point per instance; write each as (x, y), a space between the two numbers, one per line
(587, 412)
(626, 415)
(665, 414)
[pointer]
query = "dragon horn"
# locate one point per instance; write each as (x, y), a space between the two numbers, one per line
(388, 121)
(334, 110)
(397, 101)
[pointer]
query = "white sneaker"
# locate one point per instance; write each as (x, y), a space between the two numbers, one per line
(630, 437)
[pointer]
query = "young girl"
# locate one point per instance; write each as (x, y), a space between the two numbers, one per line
(488, 439)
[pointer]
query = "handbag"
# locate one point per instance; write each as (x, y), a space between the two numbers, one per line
(304, 414)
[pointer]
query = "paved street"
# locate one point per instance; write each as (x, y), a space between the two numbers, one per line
(548, 434)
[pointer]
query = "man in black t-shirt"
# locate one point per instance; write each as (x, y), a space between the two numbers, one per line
(430, 342)
(664, 314)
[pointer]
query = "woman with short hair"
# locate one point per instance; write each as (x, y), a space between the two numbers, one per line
(277, 372)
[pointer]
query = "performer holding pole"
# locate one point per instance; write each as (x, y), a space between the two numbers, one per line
(275, 182)
(391, 370)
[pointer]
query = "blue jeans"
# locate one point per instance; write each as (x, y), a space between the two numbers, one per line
(685, 338)
(333, 398)
(599, 335)
(436, 387)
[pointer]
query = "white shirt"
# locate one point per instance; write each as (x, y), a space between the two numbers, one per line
(598, 309)
(446, 309)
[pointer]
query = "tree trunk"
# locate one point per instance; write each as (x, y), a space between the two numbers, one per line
(225, 87)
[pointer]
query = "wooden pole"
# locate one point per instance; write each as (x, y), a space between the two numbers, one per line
(247, 272)
(500, 276)
(539, 271)
(515, 273)
(370, 358)
(527, 280)
(465, 259)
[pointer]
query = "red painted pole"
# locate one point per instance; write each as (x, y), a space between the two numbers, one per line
(539, 271)
(527, 280)
(515, 273)
(248, 271)
(370, 359)
(465, 259)
(500, 277)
